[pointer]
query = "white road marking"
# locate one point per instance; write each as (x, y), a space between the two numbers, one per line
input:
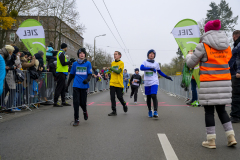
(167, 148)
(143, 94)
(145, 99)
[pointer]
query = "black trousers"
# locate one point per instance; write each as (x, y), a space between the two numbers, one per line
(155, 102)
(209, 115)
(60, 88)
(79, 99)
(119, 92)
(134, 90)
(235, 97)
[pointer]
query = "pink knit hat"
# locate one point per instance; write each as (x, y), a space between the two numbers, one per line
(212, 25)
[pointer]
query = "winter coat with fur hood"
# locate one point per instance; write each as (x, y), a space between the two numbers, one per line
(212, 92)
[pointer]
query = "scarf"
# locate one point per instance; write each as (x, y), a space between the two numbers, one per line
(152, 61)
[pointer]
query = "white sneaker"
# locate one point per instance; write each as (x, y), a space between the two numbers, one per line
(135, 102)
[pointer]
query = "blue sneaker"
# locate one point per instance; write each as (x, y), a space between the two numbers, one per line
(150, 114)
(155, 114)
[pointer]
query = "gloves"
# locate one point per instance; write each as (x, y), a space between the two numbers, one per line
(167, 77)
(85, 81)
(154, 70)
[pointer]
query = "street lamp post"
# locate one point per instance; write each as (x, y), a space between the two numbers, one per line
(94, 46)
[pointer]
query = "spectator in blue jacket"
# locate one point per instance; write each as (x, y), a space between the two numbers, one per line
(49, 54)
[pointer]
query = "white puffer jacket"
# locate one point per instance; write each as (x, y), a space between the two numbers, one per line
(214, 92)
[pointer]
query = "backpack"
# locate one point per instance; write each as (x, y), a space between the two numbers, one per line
(19, 76)
(34, 74)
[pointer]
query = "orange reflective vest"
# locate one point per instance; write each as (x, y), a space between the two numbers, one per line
(216, 68)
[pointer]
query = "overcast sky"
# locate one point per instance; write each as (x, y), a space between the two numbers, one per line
(142, 24)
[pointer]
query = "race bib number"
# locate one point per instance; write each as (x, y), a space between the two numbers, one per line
(149, 74)
(81, 71)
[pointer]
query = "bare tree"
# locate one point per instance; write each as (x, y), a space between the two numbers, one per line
(14, 8)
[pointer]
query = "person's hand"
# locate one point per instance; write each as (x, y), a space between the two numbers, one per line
(125, 79)
(7, 68)
(135, 81)
(33, 57)
(238, 75)
(132, 82)
(85, 81)
(191, 52)
(154, 70)
(169, 78)
(48, 69)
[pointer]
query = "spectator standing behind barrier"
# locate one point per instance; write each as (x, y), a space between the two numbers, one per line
(62, 72)
(49, 53)
(193, 88)
(82, 73)
(214, 53)
(25, 66)
(235, 71)
(10, 88)
(6, 52)
(135, 82)
(126, 78)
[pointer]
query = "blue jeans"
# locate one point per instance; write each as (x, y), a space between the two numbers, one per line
(125, 83)
(194, 90)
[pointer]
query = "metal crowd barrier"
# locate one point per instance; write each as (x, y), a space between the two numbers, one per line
(174, 87)
(32, 93)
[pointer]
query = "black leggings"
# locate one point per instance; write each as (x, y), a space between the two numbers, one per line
(155, 102)
(209, 115)
(119, 92)
(79, 99)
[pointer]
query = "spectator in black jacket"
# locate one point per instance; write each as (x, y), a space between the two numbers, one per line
(135, 82)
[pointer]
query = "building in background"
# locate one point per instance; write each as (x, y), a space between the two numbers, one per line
(56, 31)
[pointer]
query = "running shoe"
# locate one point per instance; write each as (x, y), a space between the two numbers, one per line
(57, 105)
(150, 114)
(125, 108)
(135, 102)
(85, 114)
(66, 104)
(155, 114)
(114, 113)
(16, 110)
(76, 122)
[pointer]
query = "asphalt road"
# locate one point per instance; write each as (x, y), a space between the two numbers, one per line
(48, 135)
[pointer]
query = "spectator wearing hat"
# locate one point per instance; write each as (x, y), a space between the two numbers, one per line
(49, 54)
(135, 82)
(213, 53)
(61, 74)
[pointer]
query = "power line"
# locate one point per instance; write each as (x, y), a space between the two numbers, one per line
(117, 29)
(107, 25)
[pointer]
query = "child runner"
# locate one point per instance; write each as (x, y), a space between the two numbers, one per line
(150, 67)
(116, 83)
(126, 78)
(81, 72)
(135, 84)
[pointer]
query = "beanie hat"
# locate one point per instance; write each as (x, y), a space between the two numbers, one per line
(40, 53)
(136, 69)
(63, 45)
(150, 51)
(82, 50)
(212, 25)
(16, 50)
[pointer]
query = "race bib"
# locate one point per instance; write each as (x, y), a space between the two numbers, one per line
(81, 71)
(148, 74)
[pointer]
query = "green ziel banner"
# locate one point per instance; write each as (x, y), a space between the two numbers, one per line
(32, 34)
(187, 35)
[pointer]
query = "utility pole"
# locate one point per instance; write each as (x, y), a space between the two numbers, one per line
(94, 47)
